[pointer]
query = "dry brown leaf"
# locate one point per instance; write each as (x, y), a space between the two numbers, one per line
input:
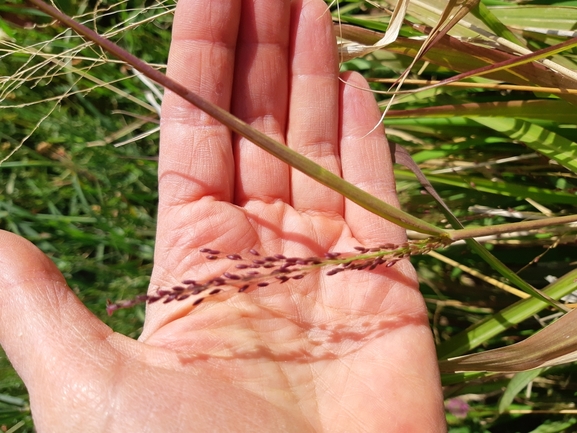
(556, 344)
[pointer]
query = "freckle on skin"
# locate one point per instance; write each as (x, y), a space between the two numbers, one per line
(198, 301)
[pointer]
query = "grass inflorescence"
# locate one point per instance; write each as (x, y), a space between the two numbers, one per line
(254, 270)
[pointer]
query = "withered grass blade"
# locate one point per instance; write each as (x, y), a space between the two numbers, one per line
(556, 344)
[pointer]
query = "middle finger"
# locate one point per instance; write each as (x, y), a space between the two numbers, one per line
(260, 98)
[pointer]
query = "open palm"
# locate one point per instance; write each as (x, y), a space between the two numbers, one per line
(350, 352)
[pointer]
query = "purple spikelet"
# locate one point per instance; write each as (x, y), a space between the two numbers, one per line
(280, 269)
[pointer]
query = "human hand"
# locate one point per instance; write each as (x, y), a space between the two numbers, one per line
(350, 352)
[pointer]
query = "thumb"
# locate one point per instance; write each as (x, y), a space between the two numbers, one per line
(44, 328)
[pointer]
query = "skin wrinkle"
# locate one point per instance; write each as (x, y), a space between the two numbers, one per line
(329, 392)
(120, 395)
(322, 153)
(315, 398)
(290, 381)
(191, 124)
(286, 383)
(212, 144)
(267, 232)
(268, 19)
(67, 385)
(373, 229)
(202, 44)
(315, 128)
(302, 410)
(365, 161)
(387, 192)
(263, 63)
(367, 295)
(217, 22)
(200, 118)
(189, 183)
(182, 234)
(265, 123)
(279, 367)
(208, 80)
(357, 306)
(360, 423)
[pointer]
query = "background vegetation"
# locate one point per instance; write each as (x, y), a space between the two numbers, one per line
(496, 152)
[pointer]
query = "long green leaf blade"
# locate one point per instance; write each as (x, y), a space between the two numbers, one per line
(550, 144)
(516, 385)
(508, 189)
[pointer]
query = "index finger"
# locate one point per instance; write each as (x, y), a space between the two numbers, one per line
(195, 149)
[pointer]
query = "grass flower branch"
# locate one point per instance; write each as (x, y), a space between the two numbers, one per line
(252, 270)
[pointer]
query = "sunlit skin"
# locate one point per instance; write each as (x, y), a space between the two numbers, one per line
(350, 352)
